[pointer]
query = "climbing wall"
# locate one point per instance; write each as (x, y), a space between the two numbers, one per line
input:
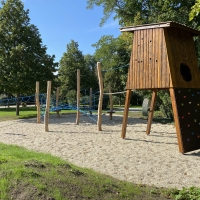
(188, 106)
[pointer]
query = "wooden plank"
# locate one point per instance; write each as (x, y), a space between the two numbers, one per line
(111, 101)
(155, 59)
(128, 83)
(134, 62)
(138, 60)
(131, 79)
(169, 24)
(131, 67)
(142, 74)
(99, 120)
(150, 57)
(151, 111)
(164, 63)
(46, 116)
(126, 109)
(38, 101)
(170, 54)
(159, 52)
(146, 75)
(78, 97)
(176, 120)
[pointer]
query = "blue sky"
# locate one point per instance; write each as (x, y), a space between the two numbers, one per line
(60, 21)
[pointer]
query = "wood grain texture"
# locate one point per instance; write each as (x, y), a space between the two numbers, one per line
(149, 61)
(156, 58)
(99, 120)
(126, 109)
(176, 120)
(38, 101)
(151, 111)
(180, 49)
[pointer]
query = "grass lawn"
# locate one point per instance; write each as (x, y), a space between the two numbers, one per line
(29, 175)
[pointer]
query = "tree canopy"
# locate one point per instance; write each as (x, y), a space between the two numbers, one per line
(72, 60)
(195, 10)
(23, 57)
(133, 12)
(111, 51)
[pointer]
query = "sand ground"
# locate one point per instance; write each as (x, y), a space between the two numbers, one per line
(152, 160)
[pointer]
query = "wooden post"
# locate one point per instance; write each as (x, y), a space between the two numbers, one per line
(37, 102)
(90, 101)
(57, 99)
(111, 103)
(46, 116)
(99, 120)
(176, 120)
(126, 109)
(150, 115)
(78, 97)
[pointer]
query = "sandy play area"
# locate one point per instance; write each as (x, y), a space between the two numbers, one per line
(142, 159)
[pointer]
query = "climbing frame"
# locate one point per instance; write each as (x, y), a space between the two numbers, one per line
(164, 57)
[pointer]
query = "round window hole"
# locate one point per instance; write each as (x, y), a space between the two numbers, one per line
(185, 72)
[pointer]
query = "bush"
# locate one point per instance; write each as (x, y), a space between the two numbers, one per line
(164, 103)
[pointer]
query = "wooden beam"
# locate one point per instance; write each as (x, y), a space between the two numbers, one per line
(111, 102)
(126, 109)
(150, 116)
(78, 97)
(37, 101)
(90, 104)
(46, 116)
(176, 120)
(99, 120)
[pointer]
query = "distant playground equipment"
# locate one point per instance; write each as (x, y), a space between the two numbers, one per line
(164, 57)
(22, 100)
(99, 121)
(55, 107)
(86, 109)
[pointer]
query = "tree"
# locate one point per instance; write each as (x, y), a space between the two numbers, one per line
(72, 60)
(91, 64)
(114, 56)
(195, 10)
(23, 58)
(134, 12)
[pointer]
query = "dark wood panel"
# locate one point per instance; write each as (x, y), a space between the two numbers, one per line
(188, 106)
(180, 47)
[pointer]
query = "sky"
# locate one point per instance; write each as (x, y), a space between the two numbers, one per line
(60, 21)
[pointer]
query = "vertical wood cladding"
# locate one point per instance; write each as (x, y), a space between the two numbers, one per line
(149, 66)
(157, 55)
(181, 50)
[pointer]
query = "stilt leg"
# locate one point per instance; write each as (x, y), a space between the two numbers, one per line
(176, 120)
(126, 109)
(150, 116)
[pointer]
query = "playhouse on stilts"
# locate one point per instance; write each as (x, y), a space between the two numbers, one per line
(164, 57)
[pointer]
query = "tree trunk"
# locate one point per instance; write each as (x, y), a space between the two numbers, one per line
(17, 105)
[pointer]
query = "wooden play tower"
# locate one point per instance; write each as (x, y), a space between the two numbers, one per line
(164, 57)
